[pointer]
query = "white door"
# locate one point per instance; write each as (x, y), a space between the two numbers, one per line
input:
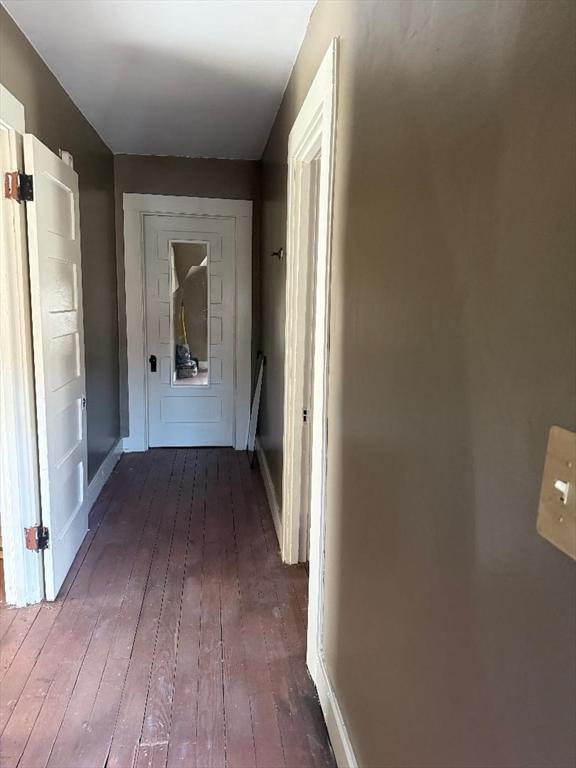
(58, 341)
(190, 329)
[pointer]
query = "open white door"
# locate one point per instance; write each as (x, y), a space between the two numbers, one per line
(58, 341)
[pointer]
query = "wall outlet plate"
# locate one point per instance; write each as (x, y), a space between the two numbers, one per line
(557, 510)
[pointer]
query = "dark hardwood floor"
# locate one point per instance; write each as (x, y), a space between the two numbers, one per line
(178, 638)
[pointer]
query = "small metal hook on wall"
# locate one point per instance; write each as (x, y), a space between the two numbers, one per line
(279, 253)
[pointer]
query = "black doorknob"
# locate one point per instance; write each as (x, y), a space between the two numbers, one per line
(153, 363)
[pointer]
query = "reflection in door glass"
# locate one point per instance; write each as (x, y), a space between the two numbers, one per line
(190, 313)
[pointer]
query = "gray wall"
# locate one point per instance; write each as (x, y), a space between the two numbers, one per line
(450, 623)
(191, 177)
(55, 120)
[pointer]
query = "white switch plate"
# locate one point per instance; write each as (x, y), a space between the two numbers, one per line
(557, 510)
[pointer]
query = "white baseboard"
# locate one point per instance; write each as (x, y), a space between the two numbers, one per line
(341, 744)
(270, 490)
(133, 445)
(99, 480)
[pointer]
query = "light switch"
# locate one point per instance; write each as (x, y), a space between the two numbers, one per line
(557, 510)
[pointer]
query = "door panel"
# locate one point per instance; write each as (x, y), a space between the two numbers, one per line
(58, 340)
(190, 324)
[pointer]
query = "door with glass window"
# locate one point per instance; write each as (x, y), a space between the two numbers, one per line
(190, 329)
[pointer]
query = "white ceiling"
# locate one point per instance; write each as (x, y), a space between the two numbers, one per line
(201, 78)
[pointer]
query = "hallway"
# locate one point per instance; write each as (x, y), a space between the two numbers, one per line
(178, 638)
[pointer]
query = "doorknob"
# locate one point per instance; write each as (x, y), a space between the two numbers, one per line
(152, 360)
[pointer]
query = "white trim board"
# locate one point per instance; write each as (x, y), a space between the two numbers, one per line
(270, 490)
(103, 474)
(311, 144)
(311, 161)
(136, 206)
(20, 497)
(339, 738)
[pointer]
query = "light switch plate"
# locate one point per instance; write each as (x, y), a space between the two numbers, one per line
(557, 510)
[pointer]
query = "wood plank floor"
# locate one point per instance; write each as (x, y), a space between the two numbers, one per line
(178, 638)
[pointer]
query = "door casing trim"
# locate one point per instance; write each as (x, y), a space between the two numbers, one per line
(135, 207)
(312, 140)
(20, 497)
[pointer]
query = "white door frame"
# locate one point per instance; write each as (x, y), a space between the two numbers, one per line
(136, 207)
(19, 498)
(312, 138)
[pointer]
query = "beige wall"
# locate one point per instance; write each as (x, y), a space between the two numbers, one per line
(450, 624)
(55, 120)
(192, 177)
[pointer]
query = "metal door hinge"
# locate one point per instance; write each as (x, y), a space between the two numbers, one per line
(19, 186)
(305, 415)
(83, 403)
(37, 538)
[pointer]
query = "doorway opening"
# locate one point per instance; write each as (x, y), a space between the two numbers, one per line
(311, 147)
(311, 155)
(188, 283)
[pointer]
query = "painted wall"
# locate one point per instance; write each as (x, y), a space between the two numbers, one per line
(56, 121)
(450, 623)
(191, 177)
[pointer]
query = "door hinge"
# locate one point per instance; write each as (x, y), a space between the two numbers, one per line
(304, 415)
(83, 403)
(37, 538)
(19, 186)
